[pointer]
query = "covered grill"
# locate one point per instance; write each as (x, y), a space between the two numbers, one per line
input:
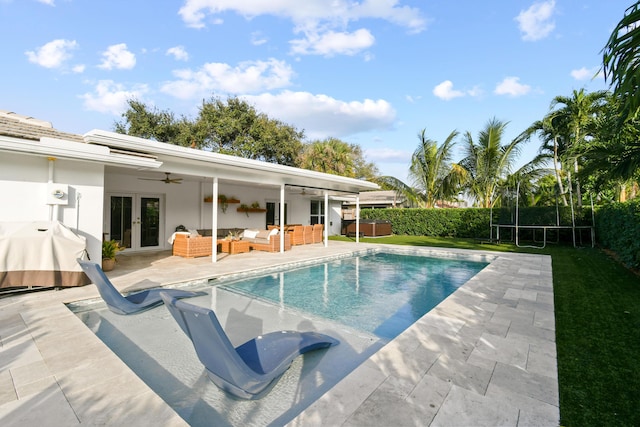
(40, 254)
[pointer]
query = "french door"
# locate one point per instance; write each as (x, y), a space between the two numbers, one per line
(135, 220)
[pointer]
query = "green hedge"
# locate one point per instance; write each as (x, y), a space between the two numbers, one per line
(618, 229)
(470, 222)
(617, 224)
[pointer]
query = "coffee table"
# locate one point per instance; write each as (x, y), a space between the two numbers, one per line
(233, 247)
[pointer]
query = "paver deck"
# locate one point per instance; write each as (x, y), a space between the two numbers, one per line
(484, 356)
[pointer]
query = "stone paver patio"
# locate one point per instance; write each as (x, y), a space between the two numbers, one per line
(485, 356)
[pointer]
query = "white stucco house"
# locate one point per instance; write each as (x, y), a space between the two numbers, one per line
(105, 185)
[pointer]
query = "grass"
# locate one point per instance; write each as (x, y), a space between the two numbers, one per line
(597, 308)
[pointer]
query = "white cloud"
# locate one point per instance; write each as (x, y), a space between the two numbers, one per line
(47, 2)
(446, 91)
(475, 91)
(312, 12)
(331, 43)
(511, 86)
(179, 53)
(323, 25)
(111, 98)
(78, 69)
(257, 39)
(118, 56)
(322, 116)
(247, 77)
(388, 155)
(536, 22)
(585, 73)
(52, 54)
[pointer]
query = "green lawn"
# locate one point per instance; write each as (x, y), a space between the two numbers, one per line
(597, 304)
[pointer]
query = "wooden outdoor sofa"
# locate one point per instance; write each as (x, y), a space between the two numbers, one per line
(189, 246)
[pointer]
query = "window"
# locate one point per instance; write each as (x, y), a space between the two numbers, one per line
(317, 212)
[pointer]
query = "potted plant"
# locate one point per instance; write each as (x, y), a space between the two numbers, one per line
(109, 250)
(222, 201)
(243, 208)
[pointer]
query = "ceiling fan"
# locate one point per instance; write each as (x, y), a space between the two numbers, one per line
(166, 180)
(302, 192)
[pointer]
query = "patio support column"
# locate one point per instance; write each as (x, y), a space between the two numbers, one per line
(214, 221)
(282, 218)
(325, 238)
(358, 218)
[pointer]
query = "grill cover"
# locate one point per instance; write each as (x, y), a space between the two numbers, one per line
(40, 254)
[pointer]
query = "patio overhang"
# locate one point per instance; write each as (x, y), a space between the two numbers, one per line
(206, 164)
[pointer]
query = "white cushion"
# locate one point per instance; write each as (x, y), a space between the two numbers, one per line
(250, 234)
(273, 232)
(263, 234)
(193, 233)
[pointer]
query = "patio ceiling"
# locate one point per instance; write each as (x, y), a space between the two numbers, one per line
(199, 165)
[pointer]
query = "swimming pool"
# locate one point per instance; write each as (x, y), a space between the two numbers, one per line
(154, 347)
(382, 293)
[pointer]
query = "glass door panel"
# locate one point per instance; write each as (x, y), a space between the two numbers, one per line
(149, 221)
(121, 219)
(273, 213)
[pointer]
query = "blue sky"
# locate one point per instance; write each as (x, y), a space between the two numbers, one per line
(371, 72)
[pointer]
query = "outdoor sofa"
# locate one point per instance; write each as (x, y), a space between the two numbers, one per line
(198, 244)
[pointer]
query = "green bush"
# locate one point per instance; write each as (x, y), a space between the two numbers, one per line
(473, 222)
(470, 222)
(618, 229)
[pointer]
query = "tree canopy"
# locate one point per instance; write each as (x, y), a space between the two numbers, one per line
(336, 157)
(230, 126)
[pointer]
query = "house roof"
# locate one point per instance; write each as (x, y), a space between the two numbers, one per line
(19, 126)
(36, 137)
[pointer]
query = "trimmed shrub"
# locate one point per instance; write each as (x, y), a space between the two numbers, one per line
(469, 222)
(618, 229)
(472, 222)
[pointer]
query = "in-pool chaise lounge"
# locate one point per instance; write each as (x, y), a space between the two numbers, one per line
(129, 304)
(248, 370)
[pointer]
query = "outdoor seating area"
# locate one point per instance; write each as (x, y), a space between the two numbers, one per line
(196, 244)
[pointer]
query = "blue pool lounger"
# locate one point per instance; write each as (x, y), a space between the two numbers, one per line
(248, 370)
(129, 304)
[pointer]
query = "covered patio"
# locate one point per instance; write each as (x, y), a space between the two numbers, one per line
(200, 190)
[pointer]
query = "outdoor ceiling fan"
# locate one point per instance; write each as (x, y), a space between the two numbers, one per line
(302, 193)
(166, 180)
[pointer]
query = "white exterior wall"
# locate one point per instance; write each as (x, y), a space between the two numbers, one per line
(24, 184)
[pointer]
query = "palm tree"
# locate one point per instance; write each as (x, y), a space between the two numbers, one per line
(329, 156)
(553, 143)
(431, 172)
(487, 163)
(433, 176)
(576, 116)
(613, 157)
(621, 62)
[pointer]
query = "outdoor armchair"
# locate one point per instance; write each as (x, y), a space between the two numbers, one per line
(249, 370)
(129, 304)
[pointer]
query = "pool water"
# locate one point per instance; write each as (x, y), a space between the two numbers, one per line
(382, 293)
(361, 301)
